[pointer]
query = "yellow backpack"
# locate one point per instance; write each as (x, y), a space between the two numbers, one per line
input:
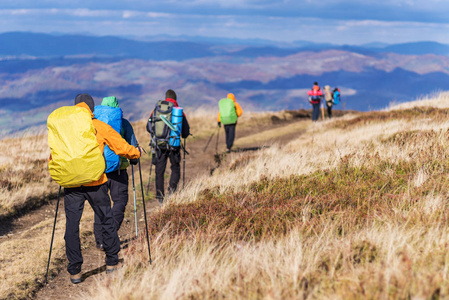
(76, 157)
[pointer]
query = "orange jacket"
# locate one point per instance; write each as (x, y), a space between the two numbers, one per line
(106, 135)
(238, 109)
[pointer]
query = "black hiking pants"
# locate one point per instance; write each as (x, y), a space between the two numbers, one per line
(230, 135)
(160, 160)
(118, 188)
(329, 111)
(98, 198)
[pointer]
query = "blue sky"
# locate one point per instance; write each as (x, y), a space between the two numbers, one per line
(334, 21)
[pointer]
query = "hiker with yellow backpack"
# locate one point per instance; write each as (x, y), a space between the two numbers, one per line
(229, 112)
(118, 180)
(77, 141)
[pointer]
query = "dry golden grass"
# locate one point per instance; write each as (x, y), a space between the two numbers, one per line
(389, 261)
(398, 251)
(395, 248)
(24, 178)
(25, 183)
(437, 99)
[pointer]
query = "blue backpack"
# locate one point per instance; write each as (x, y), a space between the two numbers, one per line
(336, 96)
(113, 117)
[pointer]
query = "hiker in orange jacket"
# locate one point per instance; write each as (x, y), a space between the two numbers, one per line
(228, 114)
(315, 95)
(97, 195)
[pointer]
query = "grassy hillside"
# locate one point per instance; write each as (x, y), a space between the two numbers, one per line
(24, 181)
(354, 208)
(350, 208)
(25, 187)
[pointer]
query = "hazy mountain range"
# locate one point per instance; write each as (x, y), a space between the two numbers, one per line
(39, 72)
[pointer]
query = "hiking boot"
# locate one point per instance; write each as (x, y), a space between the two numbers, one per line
(75, 279)
(110, 269)
(228, 150)
(100, 247)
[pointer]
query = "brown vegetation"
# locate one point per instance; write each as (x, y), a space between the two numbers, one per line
(363, 216)
(352, 208)
(26, 185)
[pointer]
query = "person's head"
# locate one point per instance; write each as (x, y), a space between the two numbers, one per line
(110, 101)
(327, 87)
(315, 83)
(86, 98)
(170, 94)
(231, 96)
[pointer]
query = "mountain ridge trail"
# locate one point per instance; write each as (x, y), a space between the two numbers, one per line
(197, 164)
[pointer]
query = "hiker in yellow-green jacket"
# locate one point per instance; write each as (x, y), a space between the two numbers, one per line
(229, 112)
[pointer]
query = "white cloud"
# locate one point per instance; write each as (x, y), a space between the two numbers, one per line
(107, 21)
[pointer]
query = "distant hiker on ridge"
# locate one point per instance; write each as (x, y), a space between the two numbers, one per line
(118, 181)
(336, 96)
(315, 95)
(229, 112)
(77, 141)
(328, 96)
(164, 144)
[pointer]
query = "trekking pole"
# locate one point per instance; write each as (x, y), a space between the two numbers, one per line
(184, 165)
(52, 235)
(210, 139)
(134, 194)
(151, 164)
(216, 145)
(145, 211)
(184, 161)
(322, 110)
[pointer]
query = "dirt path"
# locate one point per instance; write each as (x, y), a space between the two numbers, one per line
(197, 163)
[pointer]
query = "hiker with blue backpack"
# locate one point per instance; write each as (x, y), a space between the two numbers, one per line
(118, 180)
(77, 141)
(336, 96)
(315, 95)
(167, 124)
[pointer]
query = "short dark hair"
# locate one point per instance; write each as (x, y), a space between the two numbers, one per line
(170, 94)
(315, 83)
(86, 98)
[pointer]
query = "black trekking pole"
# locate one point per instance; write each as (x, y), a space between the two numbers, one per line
(134, 195)
(145, 211)
(184, 165)
(210, 139)
(52, 236)
(184, 162)
(216, 145)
